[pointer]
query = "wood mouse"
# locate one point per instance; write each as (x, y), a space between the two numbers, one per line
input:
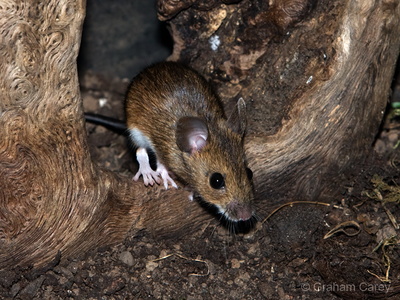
(172, 111)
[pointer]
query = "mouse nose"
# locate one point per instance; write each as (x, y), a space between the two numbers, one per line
(239, 211)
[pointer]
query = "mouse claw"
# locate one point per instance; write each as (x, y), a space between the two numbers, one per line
(147, 179)
(165, 177)
(170, 181)
(136, 177)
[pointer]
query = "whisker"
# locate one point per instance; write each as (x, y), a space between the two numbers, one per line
(233, 227)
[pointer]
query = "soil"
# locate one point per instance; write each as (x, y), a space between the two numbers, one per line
(347, 249)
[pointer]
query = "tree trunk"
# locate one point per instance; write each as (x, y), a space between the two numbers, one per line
(52, 197)
(316, 83)
(316, 76)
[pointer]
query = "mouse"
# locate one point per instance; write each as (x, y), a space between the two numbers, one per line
(173, 112)
(113, 124)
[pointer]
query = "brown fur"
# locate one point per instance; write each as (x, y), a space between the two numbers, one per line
(156, 100)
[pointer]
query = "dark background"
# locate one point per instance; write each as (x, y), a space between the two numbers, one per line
(122, 37)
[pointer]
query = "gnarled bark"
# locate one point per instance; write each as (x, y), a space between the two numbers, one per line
(52, 197)
(316, 76)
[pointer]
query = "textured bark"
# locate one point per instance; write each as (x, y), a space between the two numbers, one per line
(303, 131)
(316, 76)
(51, 196)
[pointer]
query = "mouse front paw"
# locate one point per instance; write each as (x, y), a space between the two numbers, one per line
(149, 176)
(165, 177)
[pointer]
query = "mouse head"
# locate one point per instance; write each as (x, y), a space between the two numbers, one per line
(215, 165)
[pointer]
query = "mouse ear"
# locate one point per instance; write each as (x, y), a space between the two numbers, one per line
(191, 134)
(238, 118)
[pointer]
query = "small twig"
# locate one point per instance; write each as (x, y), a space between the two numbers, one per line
(343, 227)
(386, 259)
(299, 202)
(390, 216)
(122, 154)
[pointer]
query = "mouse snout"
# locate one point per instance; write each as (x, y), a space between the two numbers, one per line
(239, 211)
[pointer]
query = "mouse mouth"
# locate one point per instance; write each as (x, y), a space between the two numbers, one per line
(238, 211)
(238, 227)
(240, 220)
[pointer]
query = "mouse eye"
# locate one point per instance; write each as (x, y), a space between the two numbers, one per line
(217, 181)
(249, 173)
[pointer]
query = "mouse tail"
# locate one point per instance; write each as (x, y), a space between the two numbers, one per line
(110, 123)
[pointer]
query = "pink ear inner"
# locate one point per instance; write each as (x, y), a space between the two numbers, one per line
(191, 134)
(197, 141)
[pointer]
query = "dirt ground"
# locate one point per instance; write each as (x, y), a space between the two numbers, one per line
(348, 249)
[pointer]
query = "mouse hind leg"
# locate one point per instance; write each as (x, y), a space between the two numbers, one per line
(150, 176)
